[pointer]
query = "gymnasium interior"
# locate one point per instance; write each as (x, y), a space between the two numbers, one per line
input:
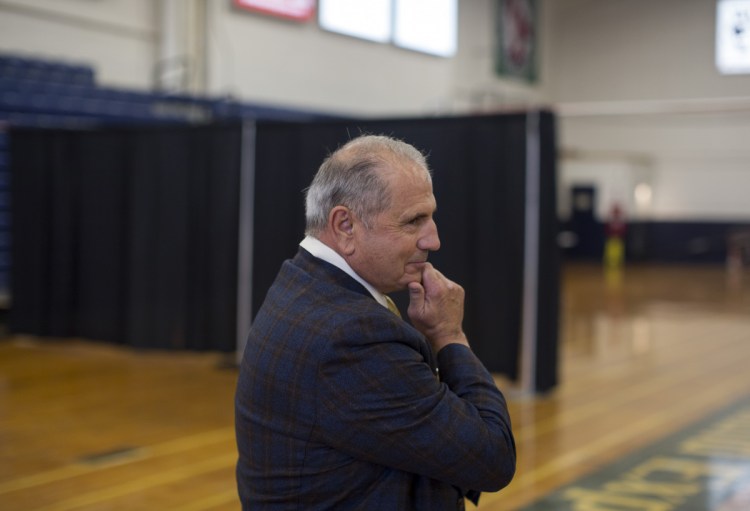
(591, 165)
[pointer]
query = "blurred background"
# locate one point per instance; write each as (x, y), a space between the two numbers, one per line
(645, 114)
(649, 118)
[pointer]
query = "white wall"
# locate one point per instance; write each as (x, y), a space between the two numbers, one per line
(259, 58)
(280, 62)
(638, 77)
(638, 49)
(625, 76)
(475, 86)
(615, 177)
(118, 37)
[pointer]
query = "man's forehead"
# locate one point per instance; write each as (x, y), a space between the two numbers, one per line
(405, 170)
(416, 202)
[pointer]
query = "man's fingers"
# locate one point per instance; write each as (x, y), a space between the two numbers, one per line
(430, 277)
(416, 293)
(435, 282)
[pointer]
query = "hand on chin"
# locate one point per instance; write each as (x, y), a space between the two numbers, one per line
(413, 273)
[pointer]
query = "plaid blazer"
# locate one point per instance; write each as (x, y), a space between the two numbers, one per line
(338, 406)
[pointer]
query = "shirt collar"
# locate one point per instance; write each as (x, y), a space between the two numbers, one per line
(327, 254)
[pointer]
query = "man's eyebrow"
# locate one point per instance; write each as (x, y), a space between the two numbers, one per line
(417, 215)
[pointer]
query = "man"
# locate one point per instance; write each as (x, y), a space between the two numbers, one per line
(340, 403)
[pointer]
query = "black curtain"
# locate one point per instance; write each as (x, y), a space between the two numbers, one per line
(548, 269)
(126, 234)
(479, 182)
(131, 234)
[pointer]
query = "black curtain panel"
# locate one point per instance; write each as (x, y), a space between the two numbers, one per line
(99, 171)
(548, 270)
(479, 181)
(126, 235)
(131, 234)
(42, 241)
(182, 237)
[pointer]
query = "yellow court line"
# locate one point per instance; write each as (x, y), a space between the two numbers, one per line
(163, 449)
(146, 482)
(45, 477)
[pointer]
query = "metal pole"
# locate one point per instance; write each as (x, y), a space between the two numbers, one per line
(531, 256)
(245, 236)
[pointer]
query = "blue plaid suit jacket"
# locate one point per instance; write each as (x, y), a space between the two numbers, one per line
(338, 406)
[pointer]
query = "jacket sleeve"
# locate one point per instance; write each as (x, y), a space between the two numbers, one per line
(380, 401)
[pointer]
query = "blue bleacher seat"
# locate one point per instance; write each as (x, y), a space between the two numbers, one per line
(45, 92)
(11, 99)
(11, 66)
(47, 70)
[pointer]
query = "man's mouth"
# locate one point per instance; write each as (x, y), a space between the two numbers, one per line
(422, 259)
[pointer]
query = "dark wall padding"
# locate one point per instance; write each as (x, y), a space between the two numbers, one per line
(548, 269)
(689, 240)
(127, 235)
(131, 234)
(479, 181)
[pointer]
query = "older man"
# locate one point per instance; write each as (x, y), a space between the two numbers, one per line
(340, 403)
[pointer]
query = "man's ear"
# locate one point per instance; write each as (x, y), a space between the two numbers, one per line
(341, 225)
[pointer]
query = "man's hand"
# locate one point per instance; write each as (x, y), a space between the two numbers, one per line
(436, 308)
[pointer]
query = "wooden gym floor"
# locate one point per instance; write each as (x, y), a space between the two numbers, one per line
(645, 353)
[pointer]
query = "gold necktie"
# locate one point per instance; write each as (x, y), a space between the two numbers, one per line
(392, 306)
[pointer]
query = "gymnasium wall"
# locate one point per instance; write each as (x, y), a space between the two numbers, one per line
(276, 61)
(635, 81)
(630, 81)
(119, 38)
(263, 59)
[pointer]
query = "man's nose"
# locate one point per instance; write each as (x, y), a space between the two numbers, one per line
(429, 240)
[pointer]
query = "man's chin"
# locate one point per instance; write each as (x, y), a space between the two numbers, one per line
(415, 269)
(412, 273)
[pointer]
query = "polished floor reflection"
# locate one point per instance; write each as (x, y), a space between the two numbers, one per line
(648, 354)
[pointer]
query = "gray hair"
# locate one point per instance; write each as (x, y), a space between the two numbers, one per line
(350, 177)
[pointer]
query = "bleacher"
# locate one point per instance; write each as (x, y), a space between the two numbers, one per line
(45, 93)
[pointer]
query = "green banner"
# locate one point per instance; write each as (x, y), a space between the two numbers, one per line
(516, 39)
